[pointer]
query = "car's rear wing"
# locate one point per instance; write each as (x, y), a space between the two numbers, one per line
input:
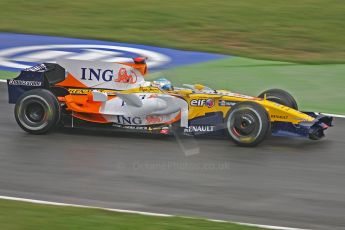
(39, 76)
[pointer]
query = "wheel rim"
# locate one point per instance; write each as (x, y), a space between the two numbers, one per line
(34, 112)
(244, 124)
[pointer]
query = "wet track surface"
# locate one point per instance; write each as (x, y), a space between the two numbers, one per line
(285, 182)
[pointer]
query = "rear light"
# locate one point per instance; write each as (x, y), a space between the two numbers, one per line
(140, 60)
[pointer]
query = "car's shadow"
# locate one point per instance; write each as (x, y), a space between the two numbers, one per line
(270, 142)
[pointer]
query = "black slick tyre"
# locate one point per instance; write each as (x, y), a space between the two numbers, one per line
(247, 124)
(281, 97)
(37, 111)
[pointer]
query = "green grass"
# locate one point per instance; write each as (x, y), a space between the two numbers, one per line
(7, 74)
(20, 215)
(294, 30)
(316, 87)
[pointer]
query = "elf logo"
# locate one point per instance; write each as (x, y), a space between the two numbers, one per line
(202, 102)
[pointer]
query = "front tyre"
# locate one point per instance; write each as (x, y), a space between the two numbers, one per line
(37, 111)
(281, 97)
(247, 124)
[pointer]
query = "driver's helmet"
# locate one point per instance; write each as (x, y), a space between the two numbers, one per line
(162, 83)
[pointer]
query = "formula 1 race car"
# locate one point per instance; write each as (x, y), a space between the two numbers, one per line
(116, 96)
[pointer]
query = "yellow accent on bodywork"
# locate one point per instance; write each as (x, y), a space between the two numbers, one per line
(275, 111)
(283, 113)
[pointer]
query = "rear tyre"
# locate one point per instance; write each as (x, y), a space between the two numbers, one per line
(247, 124)
(281, 97)
(37, 111)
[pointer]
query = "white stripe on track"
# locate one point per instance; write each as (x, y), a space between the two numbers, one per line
(141, 213)
(334, 115)
(81, 206)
